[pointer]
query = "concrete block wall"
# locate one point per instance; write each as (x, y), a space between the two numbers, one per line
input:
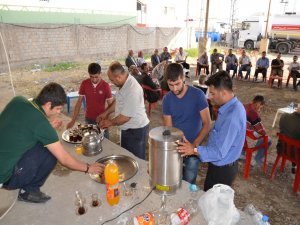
(52, 43)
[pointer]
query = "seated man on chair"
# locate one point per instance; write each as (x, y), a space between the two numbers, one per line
(294, 71)
(97, 94)
(231, 63)
(130, 60)
(254, 123)
(277, 68)
(151, 95)
(202, 62)
(289, 126)
(262, 66)
(216, 60)
(155, 58)
(245, 65)
(181, 59)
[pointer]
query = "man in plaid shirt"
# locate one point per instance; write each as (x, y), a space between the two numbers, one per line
(254, 123)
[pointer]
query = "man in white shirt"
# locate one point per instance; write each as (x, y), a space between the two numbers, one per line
(129, 109)
(245, 65)
(181, 59)
(294, 71)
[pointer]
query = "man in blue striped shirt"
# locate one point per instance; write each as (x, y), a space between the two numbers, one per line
(226, 139)
(262, 66)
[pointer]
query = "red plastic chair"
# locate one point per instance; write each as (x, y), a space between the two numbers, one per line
(287, 154)
(151, 105)
(272, 78)
(249, 151)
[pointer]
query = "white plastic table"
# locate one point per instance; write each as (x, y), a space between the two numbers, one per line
(282, 110)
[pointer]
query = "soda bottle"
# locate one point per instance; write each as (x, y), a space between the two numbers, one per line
(156, 217)
(185, 213)
(111, 174)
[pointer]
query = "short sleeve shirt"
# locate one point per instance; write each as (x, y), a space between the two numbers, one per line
(185, 111)
(130, 103)
(23, 124)
(95, 97)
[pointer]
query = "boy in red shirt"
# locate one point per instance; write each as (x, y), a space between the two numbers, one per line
(97, 94)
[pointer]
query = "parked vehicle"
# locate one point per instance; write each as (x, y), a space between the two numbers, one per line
(284, 32)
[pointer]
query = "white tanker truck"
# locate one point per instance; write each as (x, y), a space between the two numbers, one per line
(284, 33)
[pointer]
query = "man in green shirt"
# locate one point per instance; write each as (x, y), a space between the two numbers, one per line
(29, 145)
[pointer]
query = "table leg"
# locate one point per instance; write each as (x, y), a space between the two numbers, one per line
(275, 119)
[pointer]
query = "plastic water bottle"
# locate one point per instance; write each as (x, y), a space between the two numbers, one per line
(111, 174)
(185, 213)
(264, 220)
(256, 216)
(291, 106)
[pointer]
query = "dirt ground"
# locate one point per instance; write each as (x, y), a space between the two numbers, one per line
(274, 198)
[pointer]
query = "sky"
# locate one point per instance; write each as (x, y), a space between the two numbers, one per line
(220, 9)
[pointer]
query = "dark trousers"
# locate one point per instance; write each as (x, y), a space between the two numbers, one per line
(220, 175)
(135, 140)
(89, 121)
(231, 67)
(199, 67)
(263, 71)
(32, 170)
(295, 74)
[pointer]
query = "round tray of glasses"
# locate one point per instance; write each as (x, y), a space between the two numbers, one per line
(128, 167)
(76, 134)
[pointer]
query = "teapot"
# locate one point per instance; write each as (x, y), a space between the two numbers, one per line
(91, 142)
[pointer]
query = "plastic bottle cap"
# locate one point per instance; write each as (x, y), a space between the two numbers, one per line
(193, 188)
(265, 218)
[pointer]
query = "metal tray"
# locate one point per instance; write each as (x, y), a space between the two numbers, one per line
(65, 137)
(128, 167)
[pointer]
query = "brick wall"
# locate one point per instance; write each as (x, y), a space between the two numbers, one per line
(51, 43)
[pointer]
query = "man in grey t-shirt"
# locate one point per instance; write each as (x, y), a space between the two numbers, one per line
(129, 108)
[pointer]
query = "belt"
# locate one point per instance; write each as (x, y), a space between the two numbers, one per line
(229, 164)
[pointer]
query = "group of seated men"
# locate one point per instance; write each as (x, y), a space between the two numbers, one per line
(244, 64)
(153, 76)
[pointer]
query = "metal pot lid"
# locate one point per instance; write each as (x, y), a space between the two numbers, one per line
(165, 134)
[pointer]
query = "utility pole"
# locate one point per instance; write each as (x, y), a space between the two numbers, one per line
(187, 24)
(202, 43)
(264, 43)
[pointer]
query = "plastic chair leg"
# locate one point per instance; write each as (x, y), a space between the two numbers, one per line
(297, 180)
(282, 164)
(274, 167)
(247, 164)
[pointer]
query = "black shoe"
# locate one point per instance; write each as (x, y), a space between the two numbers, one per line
(35, 197)
(298, 84)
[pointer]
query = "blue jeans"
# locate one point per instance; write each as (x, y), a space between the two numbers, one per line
(231, 67)
(190, 169)
(259, 156)
(89, 121)
(32, 170)
(134, 140)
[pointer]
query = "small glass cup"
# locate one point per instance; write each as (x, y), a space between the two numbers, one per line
(95, 201)
(78, 149)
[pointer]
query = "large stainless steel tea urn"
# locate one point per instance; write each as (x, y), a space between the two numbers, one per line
(165, 163)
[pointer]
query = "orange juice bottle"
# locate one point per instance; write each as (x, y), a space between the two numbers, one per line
(111, 174)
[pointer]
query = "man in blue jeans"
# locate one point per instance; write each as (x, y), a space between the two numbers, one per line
(129, 108)
(29, 145)
(254, 123)
(186, 108)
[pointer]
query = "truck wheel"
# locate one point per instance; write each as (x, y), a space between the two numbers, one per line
(283, 48)
(249, 45)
